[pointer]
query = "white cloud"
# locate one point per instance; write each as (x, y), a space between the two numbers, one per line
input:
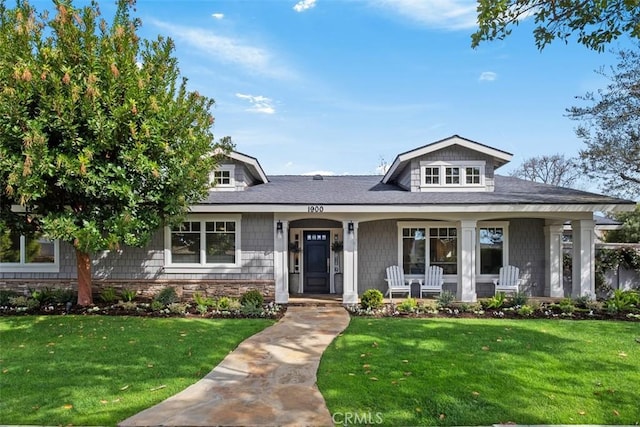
(487, 76)
(442, 14)
(217, 15)
(259, 104)
(303, 5)
(228, 50)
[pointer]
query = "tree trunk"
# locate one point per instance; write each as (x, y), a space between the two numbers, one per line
(85, 296)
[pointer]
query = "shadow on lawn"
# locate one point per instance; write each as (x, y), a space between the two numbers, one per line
(451, 372)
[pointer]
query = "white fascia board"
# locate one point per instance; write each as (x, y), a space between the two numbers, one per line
(422, 209)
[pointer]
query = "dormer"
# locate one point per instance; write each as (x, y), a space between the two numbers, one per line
(452, 164)
(236, 172)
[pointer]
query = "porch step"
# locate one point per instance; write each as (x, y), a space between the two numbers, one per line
(315, 300)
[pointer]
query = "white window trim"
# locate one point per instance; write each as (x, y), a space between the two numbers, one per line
(223, 187)
(505, 246)
(33, 267)
(427, 225)
(203, 267)
(462, 165)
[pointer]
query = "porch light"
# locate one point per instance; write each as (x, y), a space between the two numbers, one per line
(350, 228)
(279, 227)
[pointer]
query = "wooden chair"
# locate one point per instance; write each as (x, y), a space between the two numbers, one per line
(509, 280)
(396, 282)
(433, 281)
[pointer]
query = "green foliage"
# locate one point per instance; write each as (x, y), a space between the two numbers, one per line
(519, 298)
(109, 295)
(252, 297)
(595, 23)
(157, 305)
(497, 301)
(177, 308)
(63, 296)
(251, 308)
(200, 299)
(445, 299)
(371, 299)
(44, 295)
(409, 305)
(5, 295)
(567, 306)
(630, 230)
(525, 310)
(166, 296)
(102, 143)
(622, 301)
(128, 294)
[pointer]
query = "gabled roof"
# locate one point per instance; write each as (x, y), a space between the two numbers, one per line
(500, 157)
(252, 164)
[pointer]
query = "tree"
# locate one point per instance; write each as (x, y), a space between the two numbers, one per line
(610, 128)
(101, 143)
(555, 170)
(630, 230)
(596, 22)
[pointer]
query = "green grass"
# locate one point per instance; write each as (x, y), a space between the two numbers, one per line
(483, 371)
(93, 370)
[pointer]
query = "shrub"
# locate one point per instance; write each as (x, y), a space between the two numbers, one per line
(108, 295)
(202, 308)
(166, 296)
(525, 310)
(445, 298)
(371, 298)
(622, 301)
(519, 299)
(200, 299)
(156, 305)
(128, 294)
(252, 297)
(6, 295)
(496, 301)
(251, 308)
(224, 303)
(408, 306)
(63, 296)
(43, 296)
(567, 306)
(177, 307)
(128, 305)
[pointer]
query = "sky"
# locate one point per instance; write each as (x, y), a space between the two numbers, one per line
(341, 86)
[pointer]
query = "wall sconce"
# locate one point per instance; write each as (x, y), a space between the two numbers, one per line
(279, 227)
(350, 228)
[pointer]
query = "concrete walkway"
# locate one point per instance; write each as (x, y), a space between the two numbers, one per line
(270, 379)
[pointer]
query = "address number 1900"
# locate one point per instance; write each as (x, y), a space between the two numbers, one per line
(315, 208)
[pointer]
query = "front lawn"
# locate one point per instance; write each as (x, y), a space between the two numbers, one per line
(99, 370)
(408, 371)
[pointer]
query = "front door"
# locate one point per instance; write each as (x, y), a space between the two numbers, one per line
(316, 262)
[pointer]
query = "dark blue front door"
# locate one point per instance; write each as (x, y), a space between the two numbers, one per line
(316, 262)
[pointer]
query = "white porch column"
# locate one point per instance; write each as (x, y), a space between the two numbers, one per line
(584, 249)
(350, 269)
(467, 265)
(553, 255)
(281, 261)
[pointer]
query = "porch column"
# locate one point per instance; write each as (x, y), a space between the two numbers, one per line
(350, 269)
(281, 261)
(467, 265)
(584, 249)
(553, 286)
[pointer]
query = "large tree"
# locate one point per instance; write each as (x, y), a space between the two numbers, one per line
(101, 143)
(610, 127)
(555, 170)
(596, 22)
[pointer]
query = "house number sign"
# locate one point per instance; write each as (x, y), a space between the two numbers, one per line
(315, 208)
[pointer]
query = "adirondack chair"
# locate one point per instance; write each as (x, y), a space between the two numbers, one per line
(509, 280)
(433, 281)
(396, 282)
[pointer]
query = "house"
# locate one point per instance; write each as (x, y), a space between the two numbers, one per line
(440, 204)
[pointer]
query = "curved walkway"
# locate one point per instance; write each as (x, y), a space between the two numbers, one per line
(270, 379)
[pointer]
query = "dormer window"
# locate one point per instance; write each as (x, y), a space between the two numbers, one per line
(223, 178)
(449, 175)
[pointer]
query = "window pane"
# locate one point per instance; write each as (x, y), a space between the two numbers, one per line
(185, 245)
(413, 250)
(472, 175)
(443, 249)
(452, 175)
(221, 248)
(39, 250)
(491, 250)
(9, 246)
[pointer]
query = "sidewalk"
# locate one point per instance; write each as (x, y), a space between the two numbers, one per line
(270, 379)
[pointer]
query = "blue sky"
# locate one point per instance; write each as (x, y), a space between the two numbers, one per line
(336, 86)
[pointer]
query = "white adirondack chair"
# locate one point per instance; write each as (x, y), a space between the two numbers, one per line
(509, 280)
(433, 281)
(396, 282)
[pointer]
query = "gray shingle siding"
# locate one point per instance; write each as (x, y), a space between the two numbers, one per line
(526, 251)
(377, 249)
